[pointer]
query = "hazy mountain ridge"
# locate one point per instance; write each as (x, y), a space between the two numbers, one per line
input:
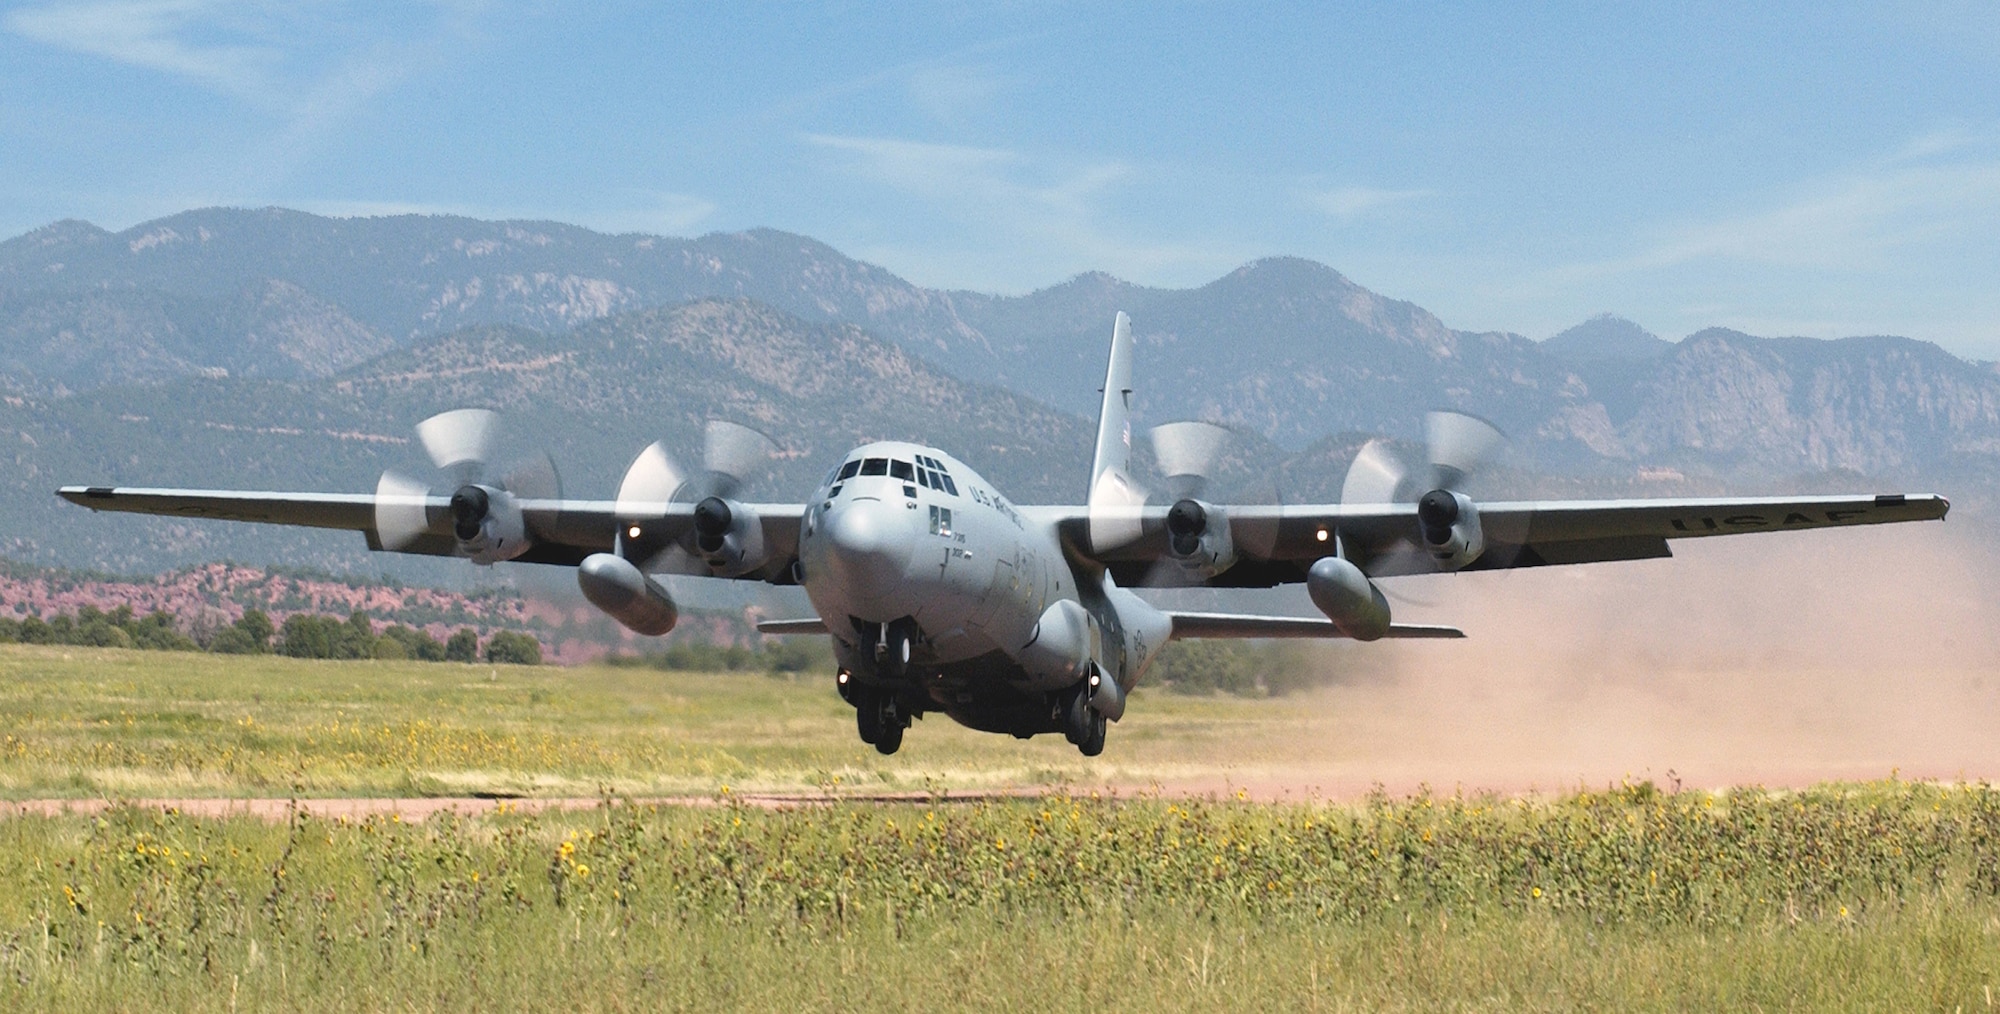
(592, 397)
(278, 349)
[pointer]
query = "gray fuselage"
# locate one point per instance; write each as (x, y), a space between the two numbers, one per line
(905, 537)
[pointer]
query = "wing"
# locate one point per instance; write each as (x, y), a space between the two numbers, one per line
(564, 531)
(1275, 545)
(1212, 625)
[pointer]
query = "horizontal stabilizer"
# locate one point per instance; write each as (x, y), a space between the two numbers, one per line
(1197, 625)
(808, 625)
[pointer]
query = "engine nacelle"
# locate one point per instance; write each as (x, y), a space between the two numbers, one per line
(1198, 538)
(613, 584)
(488, 524)
(1348, 598)
(728, 536)
(1061, 649)
(1449, 524)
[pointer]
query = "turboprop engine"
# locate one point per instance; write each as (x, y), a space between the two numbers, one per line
(1198, 538)
(613, 584)
(488, 523)
(1348, 598)
(494, 513)
(728, 536)
(1449, 524)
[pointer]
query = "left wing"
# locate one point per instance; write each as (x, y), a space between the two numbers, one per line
(1276, 544)
(563, 531)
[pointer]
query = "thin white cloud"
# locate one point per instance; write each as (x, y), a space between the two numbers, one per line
(157, 35)
(932, 169)
(1349, 204)
(948, 91)
(1860, 220)
(1030, 222)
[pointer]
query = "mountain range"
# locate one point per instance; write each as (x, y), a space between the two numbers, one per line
(276, 348)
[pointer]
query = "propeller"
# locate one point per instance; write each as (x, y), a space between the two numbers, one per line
(732, 455)
(492, 511)
(1457, 445)
(1186, 452)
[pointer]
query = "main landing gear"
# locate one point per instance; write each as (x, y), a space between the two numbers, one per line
(1082, 724)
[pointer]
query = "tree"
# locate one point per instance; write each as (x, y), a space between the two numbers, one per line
(510, 648)
(256, 626)
(463, 646)
(305, 636)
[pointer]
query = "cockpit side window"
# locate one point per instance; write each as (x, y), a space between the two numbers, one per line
(901, 470)
(847, 471)
(875, 466)
(949, 486)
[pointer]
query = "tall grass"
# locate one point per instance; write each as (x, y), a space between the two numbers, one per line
(1878, 896)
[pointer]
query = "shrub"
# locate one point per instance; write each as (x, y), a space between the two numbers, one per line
(305, 636)
(463, 646)
(256, 626)
(234, 641)
(33, 630)
(510, 648)
(155, 633)
(414, 643)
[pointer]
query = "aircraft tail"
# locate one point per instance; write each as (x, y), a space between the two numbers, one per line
(1114, 419)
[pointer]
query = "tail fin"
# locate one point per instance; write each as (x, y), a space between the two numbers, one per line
(1114, 419)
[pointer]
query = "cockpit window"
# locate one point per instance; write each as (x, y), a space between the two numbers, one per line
(923, 478)
(875, 466)
(847, 471)
(901, 470)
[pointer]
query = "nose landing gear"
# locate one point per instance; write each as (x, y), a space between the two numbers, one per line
(878, 719)
(894, 649)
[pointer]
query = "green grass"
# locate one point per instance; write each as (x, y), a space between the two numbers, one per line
(86, 722)
(1880, 898)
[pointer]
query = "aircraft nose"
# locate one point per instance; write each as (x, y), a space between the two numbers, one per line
(869, 544)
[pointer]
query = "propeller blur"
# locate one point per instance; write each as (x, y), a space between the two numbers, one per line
(942, 595)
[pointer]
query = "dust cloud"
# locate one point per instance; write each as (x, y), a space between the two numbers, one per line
(1784, 659)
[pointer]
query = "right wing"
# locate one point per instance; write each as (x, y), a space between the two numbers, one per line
(564, 531)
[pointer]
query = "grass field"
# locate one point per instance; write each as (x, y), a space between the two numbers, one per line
(80, 722)
(1873, 896)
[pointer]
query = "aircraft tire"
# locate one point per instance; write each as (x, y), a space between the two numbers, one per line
(1077, 715)
(1092, 742)
(889, 734)
(867, 716)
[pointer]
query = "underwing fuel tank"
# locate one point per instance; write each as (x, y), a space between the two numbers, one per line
(612, 584)
(1348, 598)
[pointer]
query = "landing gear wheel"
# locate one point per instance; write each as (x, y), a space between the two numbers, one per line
(1092, 743)
(868, 716)
(896, 652)
(1082, 724)
(889, 731)
(1076, 715)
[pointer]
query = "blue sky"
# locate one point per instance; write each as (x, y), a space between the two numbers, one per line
(1803, 169)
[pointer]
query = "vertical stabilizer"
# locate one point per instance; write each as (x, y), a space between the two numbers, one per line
(1114, 419)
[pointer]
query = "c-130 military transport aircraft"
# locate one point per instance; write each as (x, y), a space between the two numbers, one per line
(942, 595)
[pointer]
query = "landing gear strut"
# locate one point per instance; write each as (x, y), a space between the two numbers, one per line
(893, 651)
(1082, 724)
